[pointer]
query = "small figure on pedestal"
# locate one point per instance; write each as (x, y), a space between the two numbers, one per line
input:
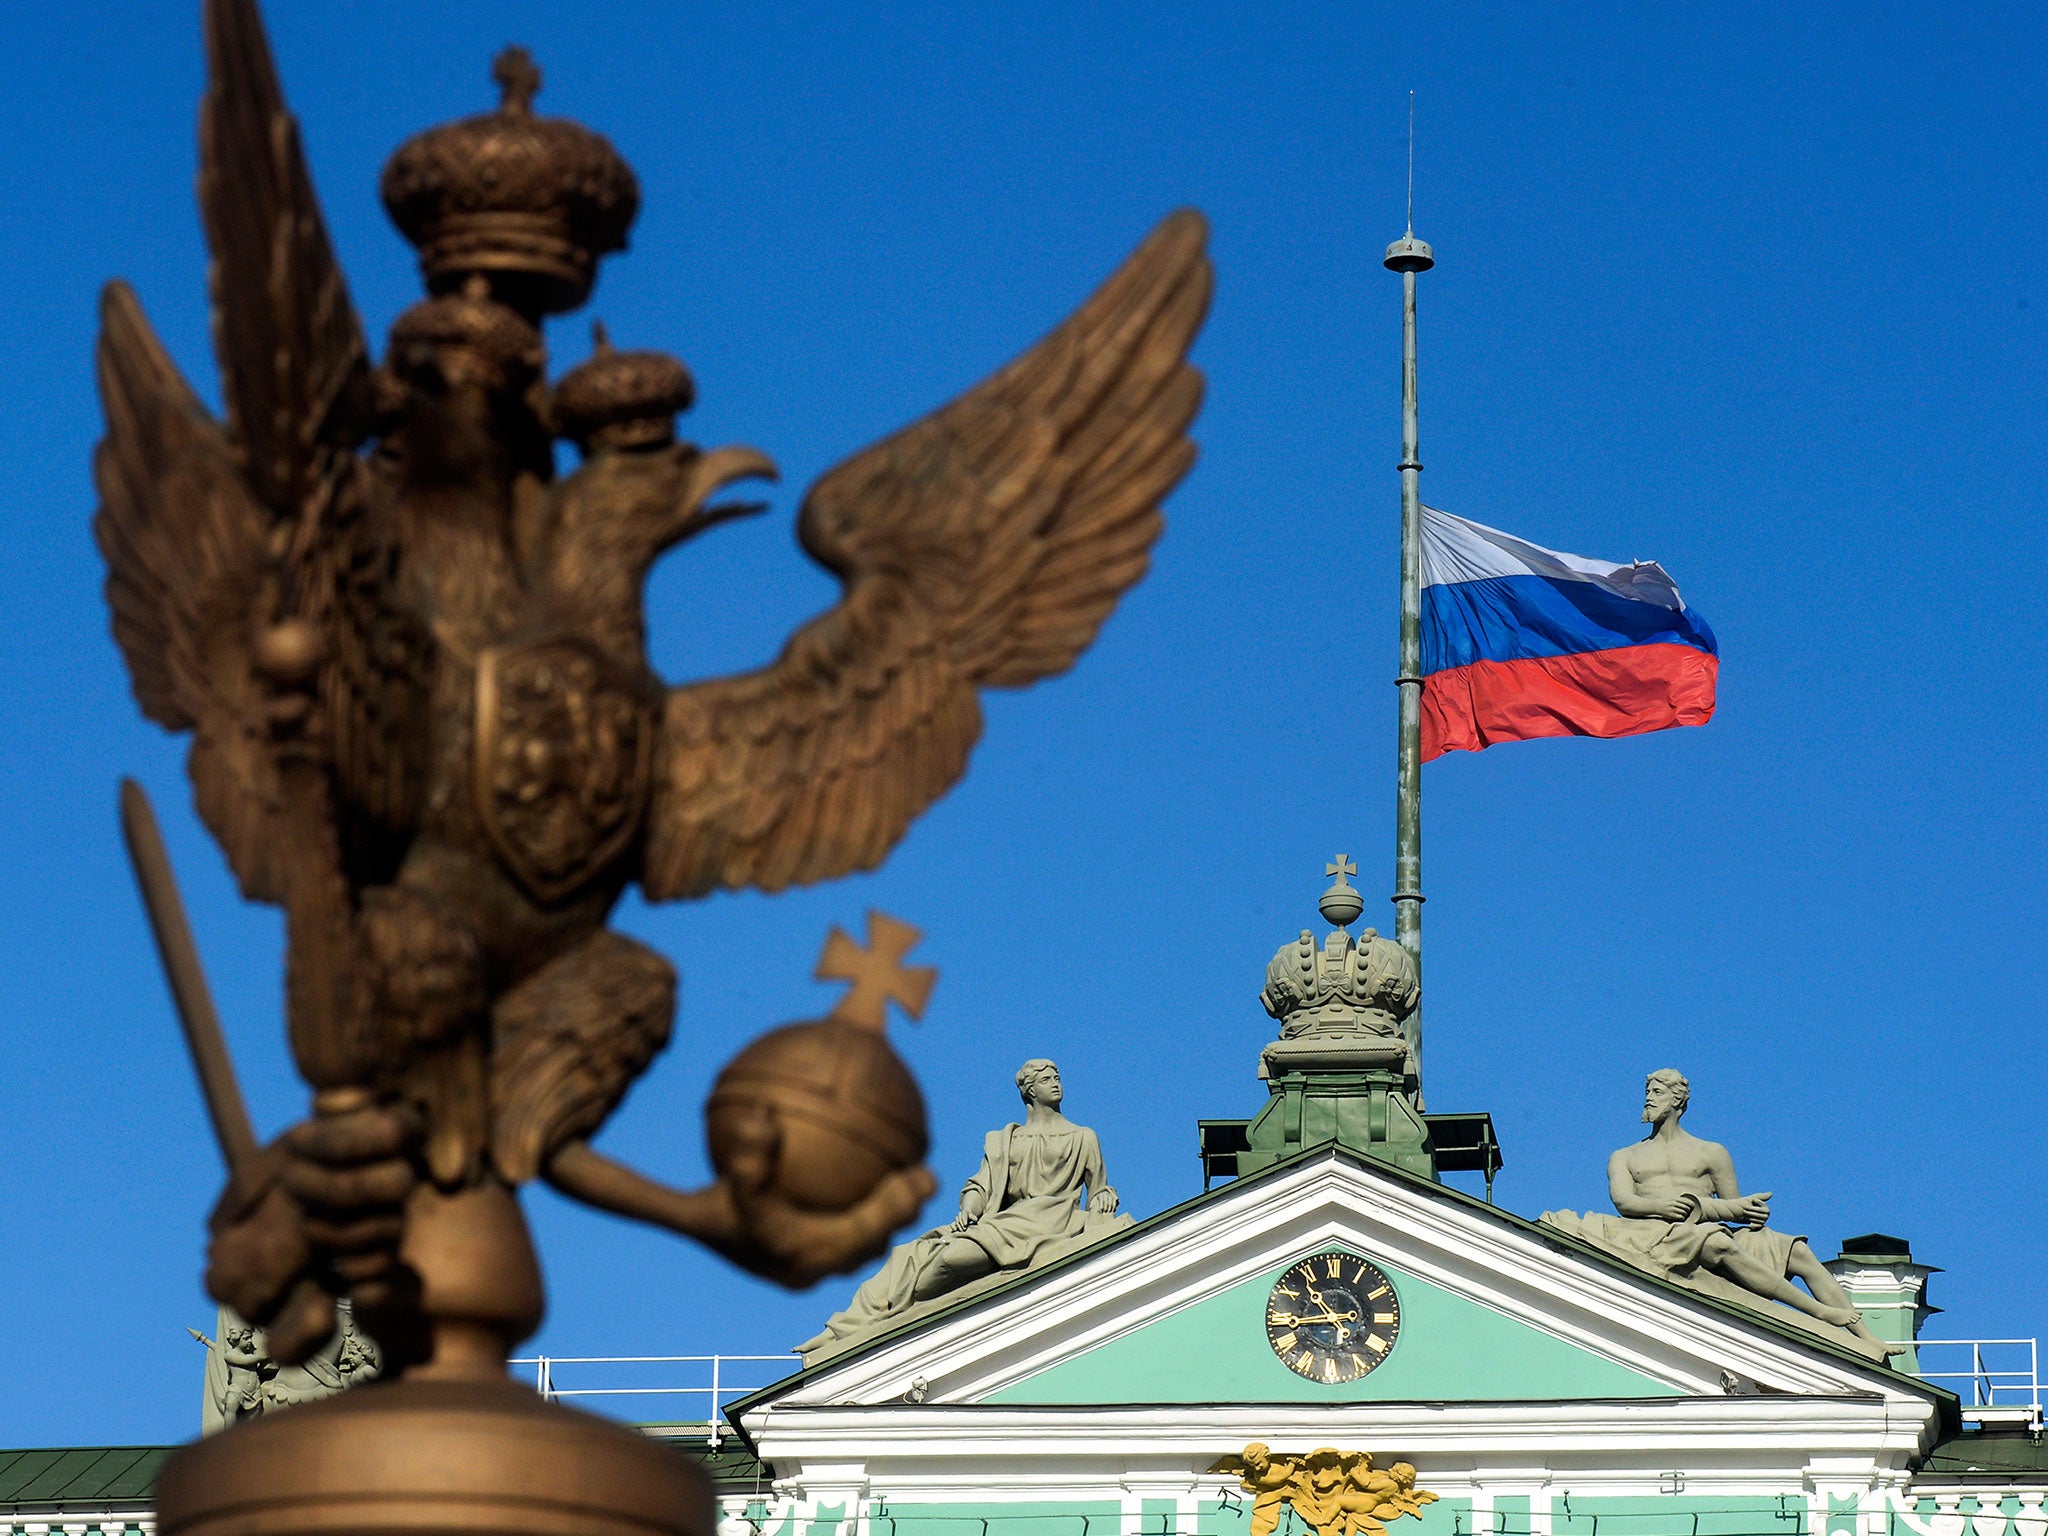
(243, 1380)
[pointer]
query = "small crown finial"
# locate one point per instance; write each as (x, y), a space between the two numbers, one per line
(518, 78)
(600, 338)
(535, 202)
(877, 972)
(1341, 904)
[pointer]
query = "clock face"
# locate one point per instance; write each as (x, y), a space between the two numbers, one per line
(1333, 1317)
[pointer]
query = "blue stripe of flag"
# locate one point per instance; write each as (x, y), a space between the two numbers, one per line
(1510, 618)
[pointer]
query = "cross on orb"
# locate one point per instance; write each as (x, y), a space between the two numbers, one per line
(1342, 867)
(877, 972)
(518, 79)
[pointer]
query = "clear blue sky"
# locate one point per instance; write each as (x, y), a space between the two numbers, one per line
(1754, 291)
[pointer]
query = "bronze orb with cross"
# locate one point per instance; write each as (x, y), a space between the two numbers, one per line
(845, 1109)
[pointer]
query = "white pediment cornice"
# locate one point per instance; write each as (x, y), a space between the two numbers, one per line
(1744, 1446)
(1247, 1228)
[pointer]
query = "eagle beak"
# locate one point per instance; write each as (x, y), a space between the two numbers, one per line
(712, 472)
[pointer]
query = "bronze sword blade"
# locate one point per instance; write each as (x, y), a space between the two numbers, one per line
(180, 957)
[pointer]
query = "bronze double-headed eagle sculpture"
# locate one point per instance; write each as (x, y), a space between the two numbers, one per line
(411, 656)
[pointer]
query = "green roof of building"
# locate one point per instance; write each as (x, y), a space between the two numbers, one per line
(732, 1468)
(1996, 1453)
(107, 1477)
(122, 1477)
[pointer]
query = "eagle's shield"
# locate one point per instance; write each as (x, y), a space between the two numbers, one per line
(564, 752)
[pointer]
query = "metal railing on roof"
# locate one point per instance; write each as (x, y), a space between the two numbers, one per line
(1997, 1379)
(2002, 1379)
(716, 1379)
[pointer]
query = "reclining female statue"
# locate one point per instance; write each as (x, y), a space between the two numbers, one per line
(1041, 1194)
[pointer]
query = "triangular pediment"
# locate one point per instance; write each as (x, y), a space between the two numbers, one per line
(1492, 1308)
(1447, 1347)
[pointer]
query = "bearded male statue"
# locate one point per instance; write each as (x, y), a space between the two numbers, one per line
(1683, 1217)
(1041, 1193)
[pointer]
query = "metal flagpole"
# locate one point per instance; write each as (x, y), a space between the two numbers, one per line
(1409, 256)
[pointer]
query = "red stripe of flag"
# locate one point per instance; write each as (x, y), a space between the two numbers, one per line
(1620, 692)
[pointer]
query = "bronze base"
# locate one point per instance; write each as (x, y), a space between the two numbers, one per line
(441, 1457)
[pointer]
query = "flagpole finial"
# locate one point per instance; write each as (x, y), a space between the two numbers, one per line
(1411, 163)
(1409, 254)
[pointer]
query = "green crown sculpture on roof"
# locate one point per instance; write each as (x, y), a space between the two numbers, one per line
(1343, 1069)
(1350, 995)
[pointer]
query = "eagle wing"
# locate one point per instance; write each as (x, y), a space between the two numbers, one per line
(981, 547)
(296, 377)
(294, 369)
(187, 551)
(210, 533)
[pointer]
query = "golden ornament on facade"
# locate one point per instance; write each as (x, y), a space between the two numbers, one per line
(1335, 1493)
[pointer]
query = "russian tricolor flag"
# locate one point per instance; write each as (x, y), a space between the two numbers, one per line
(1520, 642)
